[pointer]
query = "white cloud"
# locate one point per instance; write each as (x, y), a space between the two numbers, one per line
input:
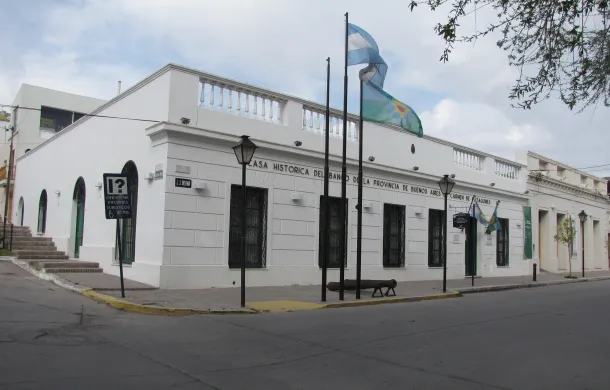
(482, 127)
(283, 45)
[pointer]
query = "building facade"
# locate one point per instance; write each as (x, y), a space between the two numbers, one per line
(38, 114)
(557, 192)
(186, 186)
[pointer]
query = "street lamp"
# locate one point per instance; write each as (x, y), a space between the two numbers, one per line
(446, 184)
(244, 151)
(583, 218)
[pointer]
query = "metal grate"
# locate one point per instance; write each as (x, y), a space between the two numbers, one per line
(256, 227)
(128, 226)
(393, 236)
(502, 244)
(334, 233)
(435, 238)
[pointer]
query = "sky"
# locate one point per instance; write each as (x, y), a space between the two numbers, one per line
(86, 46)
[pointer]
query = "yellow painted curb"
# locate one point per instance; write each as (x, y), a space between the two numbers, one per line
(157, 310)
(280, 306)
(453, 294)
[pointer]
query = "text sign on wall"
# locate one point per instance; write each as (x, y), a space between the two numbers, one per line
(371, 182)
(184, 183)
(460, 220)
(117, 199)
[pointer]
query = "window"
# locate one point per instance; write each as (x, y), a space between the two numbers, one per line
(435, 238)
(393, 236)
(333, 259)
(256, 227)
(55, 119)
(502, 243)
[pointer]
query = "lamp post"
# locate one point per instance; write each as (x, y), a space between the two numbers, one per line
(244, 151)
(446, 184)
(583, 218)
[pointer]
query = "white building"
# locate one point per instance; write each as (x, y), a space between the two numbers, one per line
(186, 237)
(557, 192)
(40, 113)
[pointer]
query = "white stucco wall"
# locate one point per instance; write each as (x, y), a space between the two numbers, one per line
(197, 222)
(89, 149)
(558, 200)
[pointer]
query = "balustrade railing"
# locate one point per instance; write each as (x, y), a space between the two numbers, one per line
(314, 120)
(506, 171)
(240, 101)
(468, 159)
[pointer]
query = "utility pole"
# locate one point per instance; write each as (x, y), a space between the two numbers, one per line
(8, 182)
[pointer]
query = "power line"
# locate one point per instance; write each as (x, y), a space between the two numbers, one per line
(91, 115)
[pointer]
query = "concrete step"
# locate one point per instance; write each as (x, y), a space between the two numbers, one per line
(69, 264)
(42, 257)
(34, 247)
(16, 233)
(72, 270)
(37, 251)
(31, 239)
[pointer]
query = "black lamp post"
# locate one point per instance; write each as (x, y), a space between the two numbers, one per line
(583, 218)
(446, 184)
(244, 151)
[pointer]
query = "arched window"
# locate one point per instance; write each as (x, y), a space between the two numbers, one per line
(128, 226)
(42, 212)
(79, 203)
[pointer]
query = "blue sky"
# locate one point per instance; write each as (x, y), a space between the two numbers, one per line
(86, 46)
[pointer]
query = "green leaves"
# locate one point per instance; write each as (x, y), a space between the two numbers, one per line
(560, 47)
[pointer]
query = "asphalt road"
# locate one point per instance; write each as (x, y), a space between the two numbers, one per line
(544, 338)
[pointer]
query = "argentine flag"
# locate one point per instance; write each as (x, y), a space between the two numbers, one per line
(362, 49)
(377, 105)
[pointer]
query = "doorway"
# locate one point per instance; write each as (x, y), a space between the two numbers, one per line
(79, 198)
(561, 249)
(596, 245)
(42, 212)
(128, 226)
(543, 230)
(20, 209)
(470, 259)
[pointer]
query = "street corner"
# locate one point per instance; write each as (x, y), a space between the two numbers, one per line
(284, 306)
(371, 302)
(126, 305)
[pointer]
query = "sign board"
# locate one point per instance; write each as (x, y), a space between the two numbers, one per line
(183, 183)
(460, 220)
(117, 199)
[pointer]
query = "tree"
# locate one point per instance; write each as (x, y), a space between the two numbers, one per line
(566, 235)
(566, 41)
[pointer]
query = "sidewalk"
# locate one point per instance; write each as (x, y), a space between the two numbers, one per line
(289, 298)
(142, 298)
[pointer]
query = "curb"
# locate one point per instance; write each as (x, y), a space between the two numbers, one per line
(49, 277)
(453, 294)
(156, 310)
(472, 290)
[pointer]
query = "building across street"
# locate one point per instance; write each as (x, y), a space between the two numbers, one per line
(185, 186)
(44, 113)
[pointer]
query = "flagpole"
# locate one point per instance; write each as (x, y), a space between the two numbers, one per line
(342, 211)
(360, 178)
(325, 211)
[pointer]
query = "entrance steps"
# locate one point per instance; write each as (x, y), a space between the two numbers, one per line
(42, 254)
